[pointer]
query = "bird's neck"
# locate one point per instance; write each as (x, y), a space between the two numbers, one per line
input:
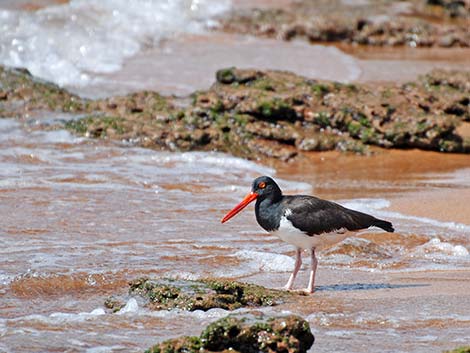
(268, 213)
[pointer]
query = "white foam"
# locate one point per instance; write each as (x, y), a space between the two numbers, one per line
(65, 43)
(3, 327)
(131, 307)
(57, 136)
(8, 124)
(436, 247)
(106, 349)
(265, 261)
(65, 317)
(4, 278)
(220, 160)
(377, 205)
(59, 318)
(366, 204)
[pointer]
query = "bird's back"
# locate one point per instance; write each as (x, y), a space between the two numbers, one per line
(316, 216)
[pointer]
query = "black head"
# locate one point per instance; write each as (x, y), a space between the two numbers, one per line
(263, 188)
(266, 187)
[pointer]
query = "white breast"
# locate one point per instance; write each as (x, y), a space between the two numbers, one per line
(288, 233)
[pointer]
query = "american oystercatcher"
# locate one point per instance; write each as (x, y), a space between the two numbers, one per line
(306, 222)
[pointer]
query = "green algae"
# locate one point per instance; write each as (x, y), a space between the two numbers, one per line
(252, 113)
(165, 294)
(275, 109)
(248, 333)
(97, 126)
(18, 85)
(465, 349)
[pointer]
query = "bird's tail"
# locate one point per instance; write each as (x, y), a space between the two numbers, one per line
(385, 225)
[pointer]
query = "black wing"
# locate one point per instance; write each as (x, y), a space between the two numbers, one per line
(315, 216)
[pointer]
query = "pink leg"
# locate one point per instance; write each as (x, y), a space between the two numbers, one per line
(298, 263)
(313, 269)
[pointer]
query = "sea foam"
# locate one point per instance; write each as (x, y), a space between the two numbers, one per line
(66, 43)
(376, 206)
(265, 261)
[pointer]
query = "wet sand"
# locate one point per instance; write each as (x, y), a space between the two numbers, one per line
(384, 172)
(356, 311)
(167, 69)
(378, 64)
(443, 205)
(188, 63)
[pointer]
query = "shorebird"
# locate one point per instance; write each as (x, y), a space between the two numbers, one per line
(306, 222)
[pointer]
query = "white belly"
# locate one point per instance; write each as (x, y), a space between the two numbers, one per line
(288, 233)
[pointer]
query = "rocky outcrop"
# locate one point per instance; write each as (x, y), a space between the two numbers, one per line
(465, 349)
(419, 23)
(246, 333)
(257, 114)
(166, 294)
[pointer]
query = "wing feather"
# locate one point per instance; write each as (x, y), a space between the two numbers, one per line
(316, 216)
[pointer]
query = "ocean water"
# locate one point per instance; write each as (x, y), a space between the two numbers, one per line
(110, 47)
(82, 217)
(68, 44)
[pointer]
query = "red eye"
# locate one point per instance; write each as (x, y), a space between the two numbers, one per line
(262, 185)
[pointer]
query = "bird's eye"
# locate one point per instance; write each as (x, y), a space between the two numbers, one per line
(262, 185)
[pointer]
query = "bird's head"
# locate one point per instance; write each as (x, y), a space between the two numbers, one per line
(263, 187)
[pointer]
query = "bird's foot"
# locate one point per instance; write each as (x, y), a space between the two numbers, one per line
(308, 290)
(300, 290)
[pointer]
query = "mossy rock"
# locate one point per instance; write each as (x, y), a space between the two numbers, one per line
(19, 85)
(97, 126)
(248, 333)
(257, 114)
(165, 294)
(233, 75)
(465, 349)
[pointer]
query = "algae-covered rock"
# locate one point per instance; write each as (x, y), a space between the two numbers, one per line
(419, 23)
(257, 114)
(248, 333)
(21, 93)
(465, 349)
(284, 113)
(164, 294)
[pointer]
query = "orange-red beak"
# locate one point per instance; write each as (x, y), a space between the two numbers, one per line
(248, 198)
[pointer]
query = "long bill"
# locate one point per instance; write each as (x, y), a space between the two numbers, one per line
(248, 198)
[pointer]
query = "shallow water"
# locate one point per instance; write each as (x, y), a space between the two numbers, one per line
(70, 43)
(80, 218)
(170, 47)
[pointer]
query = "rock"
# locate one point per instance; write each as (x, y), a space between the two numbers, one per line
(272, 149)
(233, 75)
(460, 350)
(114, 304)
(21, 93)
(164, 294)
(252, 332)
(270, 114)
(387, 23)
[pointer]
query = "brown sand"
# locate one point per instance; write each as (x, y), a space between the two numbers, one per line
(443, 205)
(385, 173)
